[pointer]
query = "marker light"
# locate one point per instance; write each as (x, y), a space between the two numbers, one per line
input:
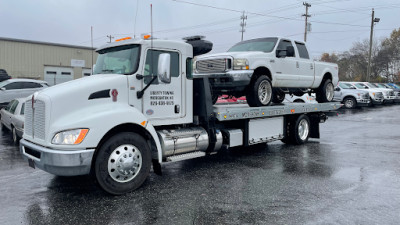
(147, 36)
(70, 137)
(123, 39)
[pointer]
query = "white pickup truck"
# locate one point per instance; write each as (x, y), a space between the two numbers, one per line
(265, 69)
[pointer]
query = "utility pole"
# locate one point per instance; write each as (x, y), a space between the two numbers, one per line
(243, 24)
(111, 37)
(306, 15)
(373, 20)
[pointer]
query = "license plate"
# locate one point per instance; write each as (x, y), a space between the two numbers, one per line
(31, 163)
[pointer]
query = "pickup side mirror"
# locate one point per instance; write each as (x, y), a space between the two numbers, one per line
(337, 89)
(289, 51)
(3, 89)
(164, 64)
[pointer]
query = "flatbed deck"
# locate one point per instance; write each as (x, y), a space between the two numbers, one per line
(235, 111)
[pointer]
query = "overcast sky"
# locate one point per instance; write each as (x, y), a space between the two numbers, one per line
(336, 24)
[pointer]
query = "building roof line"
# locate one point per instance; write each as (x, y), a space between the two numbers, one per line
(45, 43)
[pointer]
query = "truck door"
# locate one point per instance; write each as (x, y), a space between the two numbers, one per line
(162, 101)
(305, 66)
(286, 67)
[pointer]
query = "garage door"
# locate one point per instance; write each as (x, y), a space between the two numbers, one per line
(56, 75)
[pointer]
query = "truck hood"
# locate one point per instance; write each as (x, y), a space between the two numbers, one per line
(82, 93)
(238, 55)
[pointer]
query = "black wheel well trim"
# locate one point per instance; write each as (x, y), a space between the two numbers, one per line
(128, 127)
(326, 76)
(261, 71)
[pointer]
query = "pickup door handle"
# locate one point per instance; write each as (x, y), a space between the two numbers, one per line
(311, 66)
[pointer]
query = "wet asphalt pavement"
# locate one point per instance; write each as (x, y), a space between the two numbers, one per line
(349, 176)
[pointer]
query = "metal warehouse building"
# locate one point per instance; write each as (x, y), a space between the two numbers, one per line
(54, 63)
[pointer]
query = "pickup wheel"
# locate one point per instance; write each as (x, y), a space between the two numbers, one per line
(326, 91)
(278, 96)
(349, 103)
(260, 92)
(122, 163)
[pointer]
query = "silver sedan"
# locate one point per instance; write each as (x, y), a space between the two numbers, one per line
(12, 118)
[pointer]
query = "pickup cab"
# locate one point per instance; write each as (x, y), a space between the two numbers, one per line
(266, 69)
(350, 96)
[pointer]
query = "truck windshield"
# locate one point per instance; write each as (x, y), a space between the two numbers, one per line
(371, 85)
(118, 60)
(381, 85)
(261, 44)
(361, 86)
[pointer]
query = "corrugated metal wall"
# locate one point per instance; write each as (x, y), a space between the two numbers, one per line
(27, 60)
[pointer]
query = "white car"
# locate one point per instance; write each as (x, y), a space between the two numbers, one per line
(12, 118)
(18, 88)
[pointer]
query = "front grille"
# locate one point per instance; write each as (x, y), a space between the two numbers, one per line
(365, 96)
(38, 117)
(378, 95)
(212, 65)
(391, 93)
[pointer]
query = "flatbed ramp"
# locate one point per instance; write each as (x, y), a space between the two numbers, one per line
(226, 112)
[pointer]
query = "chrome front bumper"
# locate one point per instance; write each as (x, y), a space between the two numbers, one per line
(57, 162)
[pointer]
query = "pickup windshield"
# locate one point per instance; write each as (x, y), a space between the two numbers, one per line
(361, 86)
(118, 60)
(261, 44)
(346, 86)
(371, 85)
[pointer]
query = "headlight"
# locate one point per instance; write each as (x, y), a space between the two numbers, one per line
(194, 66)
(240, 64)
(69, 137)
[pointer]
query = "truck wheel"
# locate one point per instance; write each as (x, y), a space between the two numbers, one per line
(299, 130)
(278, 96)
(349, 103)
(15, 136)
(325, 92)
(122, 163)
(260, 92)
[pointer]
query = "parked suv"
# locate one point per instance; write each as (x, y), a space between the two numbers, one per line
(18, 88)
(4, 75)
(350, 96)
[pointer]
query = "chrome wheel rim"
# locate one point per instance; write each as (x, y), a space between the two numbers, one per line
(124, 163)
(329, 92)
(349, 103)
(264, 92)
(304, 129)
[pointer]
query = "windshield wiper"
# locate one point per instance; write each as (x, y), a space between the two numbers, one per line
(107, 71)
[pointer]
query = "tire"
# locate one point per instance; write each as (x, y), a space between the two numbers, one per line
(14, 136)
(349, 102)
(278, 96)
(260, 92)
(2, 127)
(122, 163)
(299, 131)
(326, 91)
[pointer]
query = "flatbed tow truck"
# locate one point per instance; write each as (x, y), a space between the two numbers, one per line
(123, 119)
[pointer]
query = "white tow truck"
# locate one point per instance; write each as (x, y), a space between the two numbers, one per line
(142, 107)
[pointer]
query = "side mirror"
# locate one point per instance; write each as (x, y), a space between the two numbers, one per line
(289, 51)
(164, 64)
(337, 89)
(3, 88)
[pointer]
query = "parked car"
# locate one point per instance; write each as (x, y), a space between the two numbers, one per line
(266, 69)
(12, 118)
(388, 94)
(395, 91)
(350, 96)
(375, 95)
(4, 75)
(18, 88)
(306, 98)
